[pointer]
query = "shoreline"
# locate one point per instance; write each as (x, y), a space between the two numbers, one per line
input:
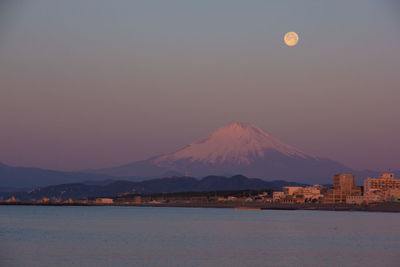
(375, 207)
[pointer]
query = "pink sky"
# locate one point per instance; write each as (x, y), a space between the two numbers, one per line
(85, 87)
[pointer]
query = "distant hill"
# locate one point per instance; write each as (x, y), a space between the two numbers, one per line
(163, 185)
(14, 179)
(27, 177)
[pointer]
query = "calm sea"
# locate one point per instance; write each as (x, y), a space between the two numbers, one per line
(136, 236)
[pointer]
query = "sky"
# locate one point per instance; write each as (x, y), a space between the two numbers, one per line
(94, 84)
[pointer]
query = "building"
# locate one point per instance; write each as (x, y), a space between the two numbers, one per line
(302, 194)
(268, 199)
(343, 186)
(277, 196)
(312, 192)
(104, 201)
(354, 200)
(394, 194)
(291, 190)
(232, 198)
(137, 199)
(11, 199)
(381, 189)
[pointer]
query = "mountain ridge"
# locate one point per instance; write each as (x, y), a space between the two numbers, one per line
(162, 185)
(236, 148)
(30, 177)
(13, 179)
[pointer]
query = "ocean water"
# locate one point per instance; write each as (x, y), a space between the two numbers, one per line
(147, 236)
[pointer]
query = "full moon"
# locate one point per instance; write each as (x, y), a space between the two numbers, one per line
(291, 39)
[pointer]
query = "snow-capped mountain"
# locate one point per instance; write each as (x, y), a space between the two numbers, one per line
(236, 148)
(235, 143)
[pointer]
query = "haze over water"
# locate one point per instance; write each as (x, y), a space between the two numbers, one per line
(133, 236)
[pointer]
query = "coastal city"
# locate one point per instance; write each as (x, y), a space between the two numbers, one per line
(383, 189)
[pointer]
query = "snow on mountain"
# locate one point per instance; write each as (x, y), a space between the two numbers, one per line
(237, 148)
(235, 143)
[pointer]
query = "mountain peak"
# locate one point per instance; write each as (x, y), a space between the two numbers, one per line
(236, 124)
(235, 143)
(236, 148)
(239, 129)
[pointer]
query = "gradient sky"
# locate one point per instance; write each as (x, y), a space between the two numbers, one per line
(89, 84)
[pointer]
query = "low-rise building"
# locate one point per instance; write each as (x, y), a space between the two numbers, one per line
(104, 201)
(291, 190)
(232, 198)
(394, 193)
(11, 199)
(354, 200)
(137, 199)
(381, 189)
(268, 199)
(312, 192)
(277, 196)
(302, 194)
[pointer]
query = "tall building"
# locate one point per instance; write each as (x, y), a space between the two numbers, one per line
(344, 185)
(381, 189)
